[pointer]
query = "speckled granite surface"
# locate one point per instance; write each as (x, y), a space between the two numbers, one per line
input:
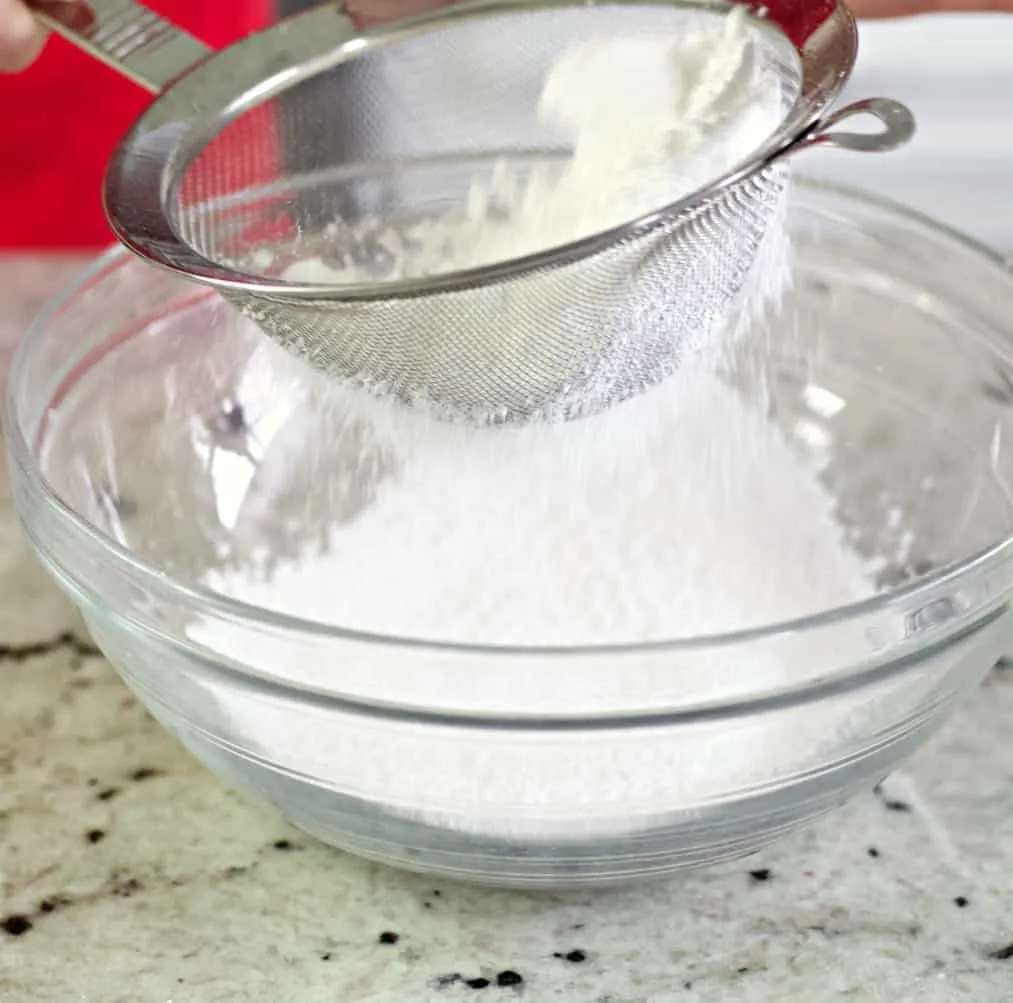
(128, 875)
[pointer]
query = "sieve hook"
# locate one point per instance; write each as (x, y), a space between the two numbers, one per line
(898, 126)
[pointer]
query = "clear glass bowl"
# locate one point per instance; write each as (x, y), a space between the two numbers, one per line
(146, 446)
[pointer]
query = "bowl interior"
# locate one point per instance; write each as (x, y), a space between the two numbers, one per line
(165, 420)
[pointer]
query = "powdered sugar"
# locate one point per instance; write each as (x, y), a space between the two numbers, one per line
(682, 512)
(650, 119)
(679, 513)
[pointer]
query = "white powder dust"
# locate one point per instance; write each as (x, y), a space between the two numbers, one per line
(682, 512)
(679, 513)
(650, 120)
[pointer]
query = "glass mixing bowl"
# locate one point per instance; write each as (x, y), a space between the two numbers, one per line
(151, 437)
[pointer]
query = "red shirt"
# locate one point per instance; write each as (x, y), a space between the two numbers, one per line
(61, 120)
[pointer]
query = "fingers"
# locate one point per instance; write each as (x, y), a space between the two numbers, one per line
(906, 8)
(21, 36)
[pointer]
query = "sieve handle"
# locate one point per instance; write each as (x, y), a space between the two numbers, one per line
(123, 34)
(898, 126)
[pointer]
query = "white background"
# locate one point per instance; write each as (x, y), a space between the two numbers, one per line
(956, 75)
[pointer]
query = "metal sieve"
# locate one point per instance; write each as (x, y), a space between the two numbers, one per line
(282, 146)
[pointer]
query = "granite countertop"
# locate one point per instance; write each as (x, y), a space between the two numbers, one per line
(127, 873)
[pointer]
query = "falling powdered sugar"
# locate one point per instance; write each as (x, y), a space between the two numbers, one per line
(646, 121)
(680, 514)
(683, 512)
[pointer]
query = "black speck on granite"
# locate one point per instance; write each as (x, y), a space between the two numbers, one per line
(51, 904)
(873, 852)
(107, 793)
(23, 652)
(761, 874)
(891, 804)
(479, 983)
(326, 956)
(575, 957)
(1003, 953)
(895, 804)
(508, 978)
(961, 901)
(144, 773)
(95, 835)
(15, 924)
(282, 844)
(126, 888)
(388, 937)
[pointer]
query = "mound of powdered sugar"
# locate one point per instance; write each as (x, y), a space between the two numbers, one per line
(681, 512)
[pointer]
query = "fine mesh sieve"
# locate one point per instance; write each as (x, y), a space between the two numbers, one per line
(284, 146)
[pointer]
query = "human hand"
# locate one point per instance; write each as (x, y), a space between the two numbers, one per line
(21, 35)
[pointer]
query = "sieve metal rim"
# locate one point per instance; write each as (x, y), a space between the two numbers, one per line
(216, 90)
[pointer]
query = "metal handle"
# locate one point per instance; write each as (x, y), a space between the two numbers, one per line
(125, 35)
(898, 126)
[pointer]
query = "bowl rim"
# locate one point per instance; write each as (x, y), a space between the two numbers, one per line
(126, 561)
